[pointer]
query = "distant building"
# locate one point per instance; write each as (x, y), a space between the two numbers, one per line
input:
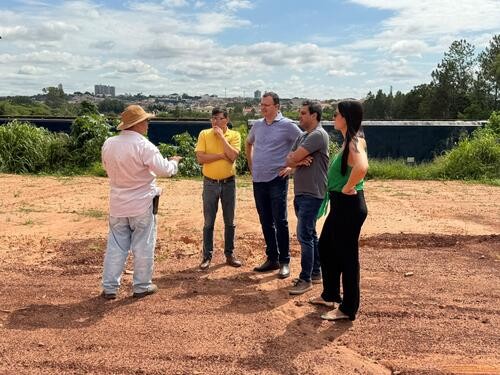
(60, 87)
(104, 90)
(257, 94)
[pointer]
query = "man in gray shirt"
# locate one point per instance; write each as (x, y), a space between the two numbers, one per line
(267, 145)
(310, 158)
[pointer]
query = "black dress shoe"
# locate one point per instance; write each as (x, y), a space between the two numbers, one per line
(284, 271)
(268, 265)
(233, 261)
(205, 263)
(108, 295)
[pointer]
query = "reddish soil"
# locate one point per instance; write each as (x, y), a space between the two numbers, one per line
(430, 257)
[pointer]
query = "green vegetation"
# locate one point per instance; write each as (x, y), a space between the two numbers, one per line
(474, 158)
(183, 145)
(25, 148)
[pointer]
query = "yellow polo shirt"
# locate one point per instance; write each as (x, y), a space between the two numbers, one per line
(210, 144)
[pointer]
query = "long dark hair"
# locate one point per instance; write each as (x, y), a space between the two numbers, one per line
(352, 111)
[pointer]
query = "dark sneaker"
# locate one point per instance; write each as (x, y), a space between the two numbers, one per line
(152, 290)
(233, 261)
(300, 286)
(108, 295)
(268, 265)
(205, 263)
(284, 271)
(316, 279)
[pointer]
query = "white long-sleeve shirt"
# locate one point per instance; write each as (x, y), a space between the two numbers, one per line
(132, 163)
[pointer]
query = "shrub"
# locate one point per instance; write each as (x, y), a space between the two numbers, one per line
(477, 157)
(88, 133)
(241, 161)
(183, 145)
(24, 148)
(494, 123)
(59, 156)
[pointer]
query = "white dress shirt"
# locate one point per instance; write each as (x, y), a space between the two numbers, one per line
(132, 163)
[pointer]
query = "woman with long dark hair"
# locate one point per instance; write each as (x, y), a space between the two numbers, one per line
(338, 243)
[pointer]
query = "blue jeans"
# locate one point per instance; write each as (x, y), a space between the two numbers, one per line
(212, 192)
(306, 209)
(137, 234)
(270, 199)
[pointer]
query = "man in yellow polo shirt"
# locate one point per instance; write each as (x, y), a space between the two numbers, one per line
(217, 150)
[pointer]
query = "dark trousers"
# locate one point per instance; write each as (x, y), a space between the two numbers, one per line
(339, 250)
(306, 209)
(270, 199)
(213, 192)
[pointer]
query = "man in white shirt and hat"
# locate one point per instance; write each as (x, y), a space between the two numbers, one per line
(132, 163)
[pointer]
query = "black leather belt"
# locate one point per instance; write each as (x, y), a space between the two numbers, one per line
(222, 181)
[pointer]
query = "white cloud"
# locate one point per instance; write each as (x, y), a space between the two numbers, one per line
(175, 3)
(31, 70)
(341, 73)
(214, 23)
(397, 70)
(408, 48)
(133, 66)
(234, 5)
(427, 21)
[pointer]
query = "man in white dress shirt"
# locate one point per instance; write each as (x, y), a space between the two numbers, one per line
(132, 163)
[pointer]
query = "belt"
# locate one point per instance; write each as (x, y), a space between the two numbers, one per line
(221, 181)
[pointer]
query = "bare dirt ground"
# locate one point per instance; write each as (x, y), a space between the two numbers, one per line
(441, 318)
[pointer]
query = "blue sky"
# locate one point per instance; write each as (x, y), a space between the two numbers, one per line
(316, 49)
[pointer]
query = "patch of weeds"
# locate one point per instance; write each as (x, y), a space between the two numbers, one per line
(29, 209)
(28, 222)
(243, 183)
(400, 194)
(96, 214)
(95, 247)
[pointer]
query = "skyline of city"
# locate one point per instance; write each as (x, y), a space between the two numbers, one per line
(335, 49)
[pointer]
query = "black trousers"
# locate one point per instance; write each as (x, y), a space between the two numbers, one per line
(339, 250)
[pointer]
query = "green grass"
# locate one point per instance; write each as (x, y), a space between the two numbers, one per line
(389, 169)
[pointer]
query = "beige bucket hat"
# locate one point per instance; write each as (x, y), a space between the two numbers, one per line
(132, 115)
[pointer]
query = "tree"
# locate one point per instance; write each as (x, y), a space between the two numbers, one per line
(54, 97)
(87, 108)
(454, 77)
(368, 106)
(113, 106)
(489, 72)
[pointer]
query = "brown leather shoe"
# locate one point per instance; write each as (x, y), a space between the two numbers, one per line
(205, 264)
(233, 261)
